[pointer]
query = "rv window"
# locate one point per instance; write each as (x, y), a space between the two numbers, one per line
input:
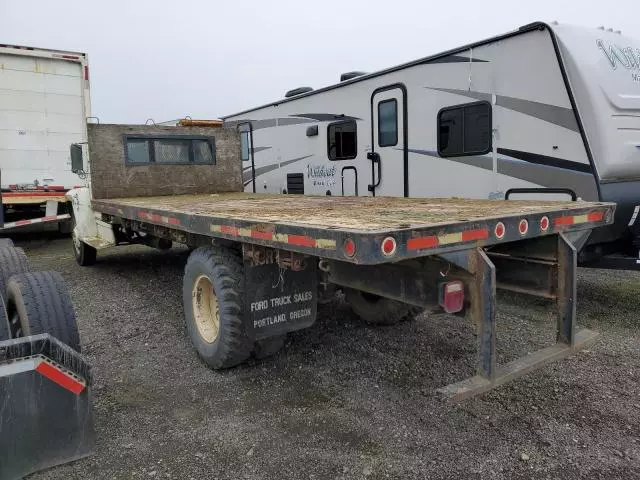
(244, 146)
(465, 130)
(388, 123)
(342, 140)
(169, 149)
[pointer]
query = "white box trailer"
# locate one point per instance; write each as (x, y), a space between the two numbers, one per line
(44, 103)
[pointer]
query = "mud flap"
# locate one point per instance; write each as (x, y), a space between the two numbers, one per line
(279, 300)
(46, 416)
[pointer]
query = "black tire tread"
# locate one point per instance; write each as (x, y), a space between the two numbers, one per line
(13, 261)
(6, 242)
(384, 312)
(47, 306)
(226, 264)
(5, 329)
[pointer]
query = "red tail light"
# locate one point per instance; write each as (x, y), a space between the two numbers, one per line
(388, 246)
(523, 227)
(544, 224)
(349, 247)
(451, 296)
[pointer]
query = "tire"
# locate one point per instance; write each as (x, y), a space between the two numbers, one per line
(5, 330)
(376, 310)
(268, 347)
(38, 302)
(6, 242)
(213, 293)
(12, 261)
(84, 254)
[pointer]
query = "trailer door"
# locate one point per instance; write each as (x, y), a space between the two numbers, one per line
(389, 155)
(246, 155)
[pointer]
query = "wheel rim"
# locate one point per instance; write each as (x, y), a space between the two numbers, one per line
(206, 310)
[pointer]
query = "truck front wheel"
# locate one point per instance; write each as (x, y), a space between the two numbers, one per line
(376, 310)
(213, 293)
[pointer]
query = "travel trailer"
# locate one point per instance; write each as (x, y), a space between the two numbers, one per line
(547, 111)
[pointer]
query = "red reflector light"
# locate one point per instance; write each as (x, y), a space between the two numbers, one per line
(349, 247)
(86, 72)
(499, 231)
(389, 246)
(544, 224)
(523, 227)
(451, 296)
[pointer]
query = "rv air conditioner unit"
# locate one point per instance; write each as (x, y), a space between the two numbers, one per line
(297, 91)
(349, 75)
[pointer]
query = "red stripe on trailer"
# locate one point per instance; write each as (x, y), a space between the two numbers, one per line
(154, 217)
(61, 378)
(228, 230)
(143, 215)
(261, 235)
(479, 234)
(23, 222)
(69, 57)
(174, 221)
(595, 216)
(34, 193)
(301, 241)
(418, 243)
(563, 221)
(49, 218)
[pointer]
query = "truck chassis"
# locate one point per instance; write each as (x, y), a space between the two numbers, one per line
(274, 251)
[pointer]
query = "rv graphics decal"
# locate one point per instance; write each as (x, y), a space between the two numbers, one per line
(628, 57)
(322, 175)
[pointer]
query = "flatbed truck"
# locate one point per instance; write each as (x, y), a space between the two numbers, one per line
(259, 262)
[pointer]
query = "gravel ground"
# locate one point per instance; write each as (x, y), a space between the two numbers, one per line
(342, 400)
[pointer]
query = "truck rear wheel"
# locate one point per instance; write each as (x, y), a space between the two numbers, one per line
(376, 310)
(6, 242)
(38, 302)
(84, 254)
(12, 261)
(213, 293)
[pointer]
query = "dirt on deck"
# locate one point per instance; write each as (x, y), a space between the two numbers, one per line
(356, 213)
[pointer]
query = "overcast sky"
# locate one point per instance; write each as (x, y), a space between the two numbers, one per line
(164, 59)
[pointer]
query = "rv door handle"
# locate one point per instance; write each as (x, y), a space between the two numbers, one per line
(375, 159)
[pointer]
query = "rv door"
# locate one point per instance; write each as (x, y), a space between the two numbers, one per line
(389, 154)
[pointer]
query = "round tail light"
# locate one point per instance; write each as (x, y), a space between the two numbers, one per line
(544, 224)
(523, 227)
(349, 247)
(389, 246)
(500, 230)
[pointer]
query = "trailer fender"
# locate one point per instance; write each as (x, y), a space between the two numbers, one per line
(88, 227)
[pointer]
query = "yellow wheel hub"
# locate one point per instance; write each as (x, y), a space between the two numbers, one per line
(206, 310)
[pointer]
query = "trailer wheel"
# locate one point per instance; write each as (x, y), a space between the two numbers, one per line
(268, 347)
(5, 330)
(84, 254)
(6, 242)
(376, 310)
(12, 261)
(213, 292)
(38, 302)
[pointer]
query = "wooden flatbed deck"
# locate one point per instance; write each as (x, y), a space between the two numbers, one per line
(365, 214)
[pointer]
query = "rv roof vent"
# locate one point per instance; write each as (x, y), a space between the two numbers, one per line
(609, 29)
(349, 75)
(601, 27)
(619, 32)
(297, 91)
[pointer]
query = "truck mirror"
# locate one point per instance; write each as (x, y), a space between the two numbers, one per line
(77, 163)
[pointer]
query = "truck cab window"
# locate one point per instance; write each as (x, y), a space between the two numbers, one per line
(465, 130)
(342, 141)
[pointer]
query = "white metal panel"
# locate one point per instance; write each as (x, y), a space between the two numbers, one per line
(43, 103)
